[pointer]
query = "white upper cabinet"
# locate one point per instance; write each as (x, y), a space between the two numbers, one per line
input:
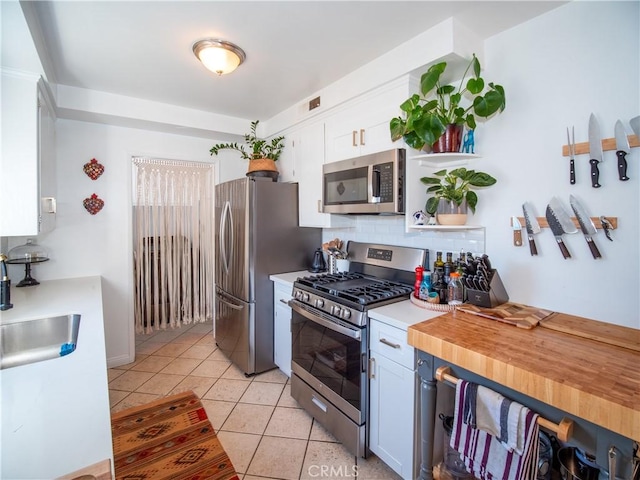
(361, 126)
(27, 171)
(305, 155)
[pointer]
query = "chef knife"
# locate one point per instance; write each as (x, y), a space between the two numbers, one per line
(586, 225)
(595, 149)
(517, 231)
(622, 148)
(532, 225)
(560, 223)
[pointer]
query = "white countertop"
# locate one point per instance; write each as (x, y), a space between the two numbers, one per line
(402, 314)
(288, 278)
(55, 413)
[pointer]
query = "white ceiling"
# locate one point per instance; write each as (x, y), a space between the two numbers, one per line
(294, 48)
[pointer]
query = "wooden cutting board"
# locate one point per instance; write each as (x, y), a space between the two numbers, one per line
(516, 314)
(595, 330)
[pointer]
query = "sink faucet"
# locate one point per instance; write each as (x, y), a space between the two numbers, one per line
(5, 285)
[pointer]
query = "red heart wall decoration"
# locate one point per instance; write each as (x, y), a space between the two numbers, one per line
(93, 169)
(93, 204)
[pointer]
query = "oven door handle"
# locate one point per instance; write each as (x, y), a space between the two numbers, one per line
(319, 319)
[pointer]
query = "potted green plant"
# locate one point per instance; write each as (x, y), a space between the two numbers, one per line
(262, 154)
(436, 118)
(452, 193)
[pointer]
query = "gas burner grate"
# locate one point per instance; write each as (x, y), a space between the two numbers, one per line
(357, 288)
(371, 294)
(329, 278)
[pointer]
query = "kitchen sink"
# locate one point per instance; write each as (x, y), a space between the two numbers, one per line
(39, 339)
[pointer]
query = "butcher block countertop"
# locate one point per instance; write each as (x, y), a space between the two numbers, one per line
(590, 379)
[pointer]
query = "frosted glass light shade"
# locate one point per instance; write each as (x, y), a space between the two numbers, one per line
(219, 56)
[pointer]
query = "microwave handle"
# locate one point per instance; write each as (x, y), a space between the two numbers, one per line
(374, 184)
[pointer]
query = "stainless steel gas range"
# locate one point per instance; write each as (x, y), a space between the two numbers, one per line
(330, 338)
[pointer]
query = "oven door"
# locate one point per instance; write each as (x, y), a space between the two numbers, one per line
(330, 355)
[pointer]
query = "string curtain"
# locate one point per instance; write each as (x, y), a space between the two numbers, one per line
(173, 243)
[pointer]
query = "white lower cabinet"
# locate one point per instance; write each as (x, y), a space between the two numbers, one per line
(282, 327)
(393, 424)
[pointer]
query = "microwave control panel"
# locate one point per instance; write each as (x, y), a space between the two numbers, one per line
(386, 181)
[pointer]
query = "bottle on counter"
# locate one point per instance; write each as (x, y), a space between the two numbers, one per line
(461, 264)
(455, 290)
(438, 285)
(425, 286)
(438, 263)
(448, 267)
(418, 282)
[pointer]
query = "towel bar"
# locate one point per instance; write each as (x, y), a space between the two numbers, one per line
(563, 430)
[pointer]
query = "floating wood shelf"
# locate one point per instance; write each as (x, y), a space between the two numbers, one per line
(563, 430)
(607, 144)
(596, 222)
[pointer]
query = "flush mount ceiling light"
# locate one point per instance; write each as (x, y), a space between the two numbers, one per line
(218, 56)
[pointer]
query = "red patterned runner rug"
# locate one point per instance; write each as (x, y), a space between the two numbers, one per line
(170, 438)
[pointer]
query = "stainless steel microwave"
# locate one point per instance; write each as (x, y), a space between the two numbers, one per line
(368, 184)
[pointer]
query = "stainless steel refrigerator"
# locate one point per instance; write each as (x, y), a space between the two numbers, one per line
(257, 235)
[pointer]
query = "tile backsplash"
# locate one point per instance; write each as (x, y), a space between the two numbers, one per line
(390, 230)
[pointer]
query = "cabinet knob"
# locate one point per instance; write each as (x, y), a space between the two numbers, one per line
(353, 138)
(362, 136)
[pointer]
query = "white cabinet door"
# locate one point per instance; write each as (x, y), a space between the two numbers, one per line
(27, 171)
(308, 149)
(286, 162)
(392, 401)
(282, 328)
(362, 127)
(47, 161)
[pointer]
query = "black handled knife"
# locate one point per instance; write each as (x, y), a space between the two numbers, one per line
(586, 225)
(560, 223)
(622, 148)
(533, 227)
(571, 142)
(595, 150)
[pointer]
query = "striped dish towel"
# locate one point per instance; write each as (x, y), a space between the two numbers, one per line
(484, 455)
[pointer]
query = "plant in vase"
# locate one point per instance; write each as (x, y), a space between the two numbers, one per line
(436, 118)
(452, 193)
(262, 154)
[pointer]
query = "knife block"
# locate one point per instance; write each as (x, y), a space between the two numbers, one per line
(497, 295)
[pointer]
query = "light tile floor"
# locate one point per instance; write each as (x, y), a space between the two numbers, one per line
(265, 432)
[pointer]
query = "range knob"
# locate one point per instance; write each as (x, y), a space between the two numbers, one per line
(335, 310)
(346, 313)
(305, 297)
(319, 303)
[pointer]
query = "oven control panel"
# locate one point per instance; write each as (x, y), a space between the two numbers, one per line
(334, 309)
(380, 254)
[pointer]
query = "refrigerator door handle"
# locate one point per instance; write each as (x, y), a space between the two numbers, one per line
(229, 304)
(226, 213)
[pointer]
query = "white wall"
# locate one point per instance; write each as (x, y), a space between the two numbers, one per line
(84, 244)
(556, 70)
